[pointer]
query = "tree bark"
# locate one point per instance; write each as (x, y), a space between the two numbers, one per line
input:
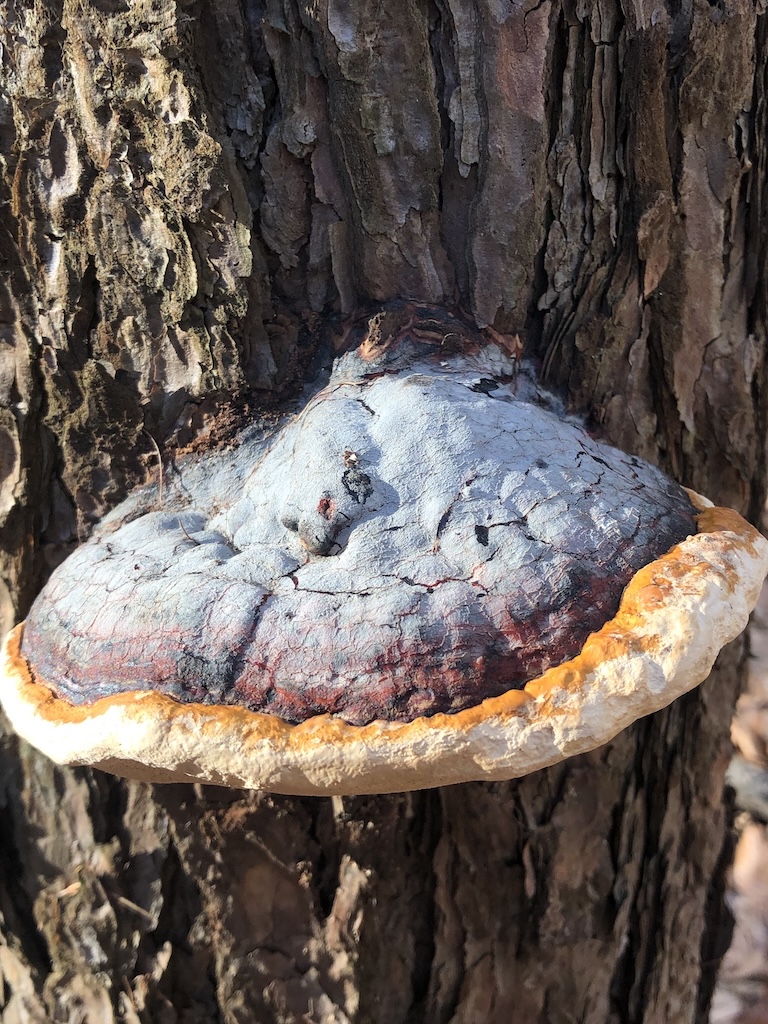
(189, 189)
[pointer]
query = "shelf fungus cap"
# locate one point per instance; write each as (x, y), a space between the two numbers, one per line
(427, 576)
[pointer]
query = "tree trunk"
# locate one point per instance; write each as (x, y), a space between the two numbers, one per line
(188, 189)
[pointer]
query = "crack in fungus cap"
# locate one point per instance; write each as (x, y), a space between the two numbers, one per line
(429, 575)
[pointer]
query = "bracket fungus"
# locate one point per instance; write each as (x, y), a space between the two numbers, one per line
(428, 575)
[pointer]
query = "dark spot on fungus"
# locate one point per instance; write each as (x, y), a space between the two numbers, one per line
(484, 386)
(481, 533)
(203, 680)
(357, 484)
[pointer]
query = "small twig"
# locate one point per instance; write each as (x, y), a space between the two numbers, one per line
(130, 905)
(70, 890)
(159, 454)
(129, 993)
(190, 539)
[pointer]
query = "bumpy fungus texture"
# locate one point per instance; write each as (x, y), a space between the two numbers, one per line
(419, 538)
(413, 582)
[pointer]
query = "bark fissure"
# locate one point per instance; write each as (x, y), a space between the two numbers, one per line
(191, 192)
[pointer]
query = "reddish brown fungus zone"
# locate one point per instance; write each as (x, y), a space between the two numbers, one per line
(450, 663)
(452, 667)
(326, 508)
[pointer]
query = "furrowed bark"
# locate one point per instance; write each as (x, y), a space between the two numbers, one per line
(189, 192)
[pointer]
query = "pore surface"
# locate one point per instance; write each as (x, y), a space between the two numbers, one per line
(415, 540)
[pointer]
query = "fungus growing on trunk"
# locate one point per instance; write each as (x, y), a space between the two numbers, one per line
(415, 581)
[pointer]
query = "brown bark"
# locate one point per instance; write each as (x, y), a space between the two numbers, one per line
(188, 190)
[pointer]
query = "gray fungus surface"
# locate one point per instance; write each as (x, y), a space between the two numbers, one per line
(425, 533)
